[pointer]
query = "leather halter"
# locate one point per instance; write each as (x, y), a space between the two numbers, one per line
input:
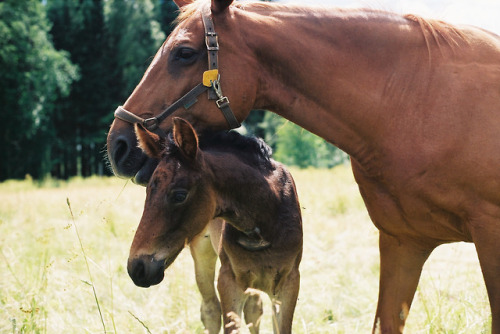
(210, 83)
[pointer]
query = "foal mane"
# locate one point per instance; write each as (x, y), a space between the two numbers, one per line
(253, 150)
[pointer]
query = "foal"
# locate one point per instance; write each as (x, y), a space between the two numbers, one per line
(230, 177)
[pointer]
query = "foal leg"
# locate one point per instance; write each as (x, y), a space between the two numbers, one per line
(284, 303)
(205, 258)
(486, 237)
(232, 297)
(401, 262)
(253, 312)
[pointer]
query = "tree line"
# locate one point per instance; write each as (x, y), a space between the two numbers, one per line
(64, 67)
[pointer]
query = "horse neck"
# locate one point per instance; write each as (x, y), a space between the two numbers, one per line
(241, 189)
(328, 71)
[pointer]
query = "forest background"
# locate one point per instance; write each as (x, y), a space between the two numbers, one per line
(65, 65)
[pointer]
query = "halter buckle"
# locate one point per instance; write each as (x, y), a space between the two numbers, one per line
(150, 123)
(222, 102)
(212, 41)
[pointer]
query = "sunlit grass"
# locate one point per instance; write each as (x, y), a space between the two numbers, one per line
(45, 286)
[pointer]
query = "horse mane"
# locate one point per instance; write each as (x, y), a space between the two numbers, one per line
(251, 149)
(438, 32)
(192, 8)
(432, 30)
(188, 10)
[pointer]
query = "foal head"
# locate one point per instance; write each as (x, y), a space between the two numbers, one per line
(179, 203)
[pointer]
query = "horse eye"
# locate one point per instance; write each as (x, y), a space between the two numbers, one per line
(178, 196)
(185, 54)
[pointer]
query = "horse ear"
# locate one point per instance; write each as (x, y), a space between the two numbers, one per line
(182, 3)
(185, 138)
(152, 144)
(218, 6)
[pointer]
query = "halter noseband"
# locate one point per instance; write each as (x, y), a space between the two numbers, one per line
(210, 83)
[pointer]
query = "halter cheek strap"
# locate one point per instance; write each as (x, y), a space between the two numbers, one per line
(210, 83)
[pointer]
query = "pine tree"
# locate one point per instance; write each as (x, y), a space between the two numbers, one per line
(78, 27)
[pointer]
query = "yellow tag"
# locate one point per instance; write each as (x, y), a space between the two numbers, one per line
(210, 75)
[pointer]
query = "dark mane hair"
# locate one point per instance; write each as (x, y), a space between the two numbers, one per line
(251, 149)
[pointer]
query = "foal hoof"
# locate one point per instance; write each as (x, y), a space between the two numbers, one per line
(253, 245)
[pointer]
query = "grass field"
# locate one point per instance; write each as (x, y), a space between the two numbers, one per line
(50, 283)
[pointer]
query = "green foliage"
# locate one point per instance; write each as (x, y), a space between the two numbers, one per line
(79, 29)
(167, 13)
(295, 146)
(135, 43)
(112, 43)
(33, 75)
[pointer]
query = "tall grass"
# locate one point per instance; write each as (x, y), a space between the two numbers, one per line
(45, 286)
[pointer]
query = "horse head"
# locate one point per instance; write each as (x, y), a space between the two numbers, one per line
(178, 203)
(185, 79)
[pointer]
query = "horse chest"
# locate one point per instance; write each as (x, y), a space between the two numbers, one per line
(422, 209)
(260, 275)
(262, 270)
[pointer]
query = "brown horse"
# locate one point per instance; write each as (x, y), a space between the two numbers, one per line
(230, 177)
(414, 102)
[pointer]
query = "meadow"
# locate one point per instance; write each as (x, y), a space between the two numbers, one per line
(64, 271)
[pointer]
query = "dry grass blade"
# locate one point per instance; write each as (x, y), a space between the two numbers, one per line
(141, 322)
(86, 263)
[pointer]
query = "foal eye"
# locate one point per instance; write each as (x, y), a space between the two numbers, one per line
(185, 54)
(178, 196)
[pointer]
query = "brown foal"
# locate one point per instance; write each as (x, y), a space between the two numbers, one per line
(230, 177)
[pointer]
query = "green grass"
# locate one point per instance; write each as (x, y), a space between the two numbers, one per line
(45, 286)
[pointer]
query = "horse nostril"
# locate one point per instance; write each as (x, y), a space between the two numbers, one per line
(138, 272)
(145, 271)
(121, 150)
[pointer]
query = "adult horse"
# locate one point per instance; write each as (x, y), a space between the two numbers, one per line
(414, 102)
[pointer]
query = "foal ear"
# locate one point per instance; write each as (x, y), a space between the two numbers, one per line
(218, 6)
(182, 3)
(152, 144)
(185, 138)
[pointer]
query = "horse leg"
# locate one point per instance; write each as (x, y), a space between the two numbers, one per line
(284, 303)
(232, 296)
(253, 312)
(401, 262)
(205, 258)
(486, 237)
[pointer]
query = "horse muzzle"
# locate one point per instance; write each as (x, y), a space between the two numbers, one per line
(145, 270)
(127, 160)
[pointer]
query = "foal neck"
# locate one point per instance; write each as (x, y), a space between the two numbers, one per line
(247, 193)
